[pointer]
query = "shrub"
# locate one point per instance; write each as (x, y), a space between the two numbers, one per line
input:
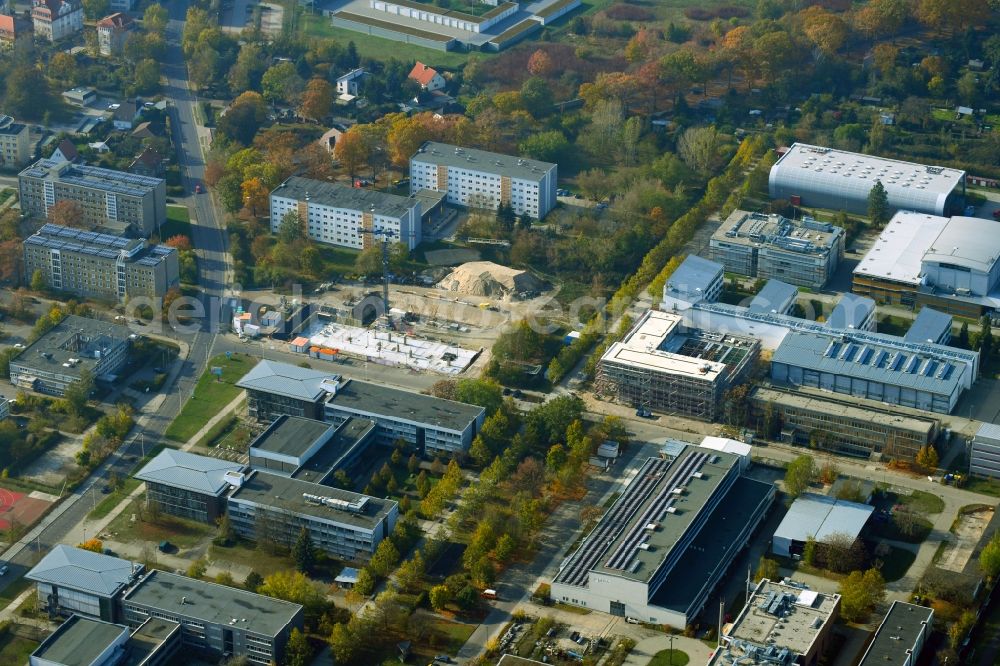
(629, 13)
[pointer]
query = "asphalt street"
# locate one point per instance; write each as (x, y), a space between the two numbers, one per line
(209, 240)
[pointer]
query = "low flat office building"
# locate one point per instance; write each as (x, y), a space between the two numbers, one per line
(662, 365)
(275, 389)
(310, 450)
(951, 264)
(81, 641)
(343, 524)
(780, 625)
(215, 619)
(847, 426)
(101, 266)
(874, 367)
(695, 280)
(930, 326)
(984, 455)
(776, 297)
(72, 580)
(801, 252)
(433, 425)
(56, 360)
(115, 200)
(854, 313)
(479, 178)
(347, 216)
(663, 546)
(818, 517)
(901, 637)
(188, 485)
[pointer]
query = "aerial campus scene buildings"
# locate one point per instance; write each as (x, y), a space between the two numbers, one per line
(499, 333)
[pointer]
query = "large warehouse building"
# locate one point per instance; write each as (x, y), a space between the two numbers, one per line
(802, 252)
(952, 264)
(818, 177)
(665, 366)
(664, 545)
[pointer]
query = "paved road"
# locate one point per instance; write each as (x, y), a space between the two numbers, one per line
(197, 345)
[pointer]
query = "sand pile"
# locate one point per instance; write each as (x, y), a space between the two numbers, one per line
(484, 278)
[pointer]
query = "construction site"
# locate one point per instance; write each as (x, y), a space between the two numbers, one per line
(663, 366)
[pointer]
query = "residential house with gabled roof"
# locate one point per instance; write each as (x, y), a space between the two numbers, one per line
(148, 163)
(112, 31)
(428, 77)
(56, 19)
(125, 115)
(10, 29)
(65, 152)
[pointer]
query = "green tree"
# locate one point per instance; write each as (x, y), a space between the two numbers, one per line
(78, 393)
(963, 336)
(297, 650)
(799, 475)
(413, 464)
(290, 227)
(878, 205)
(767, 568)
(146, 77)
(303, 551)
(38, 281)
(505, 547)
(423, 484)
(961, 628)
(989, 557)
(927, 457)
(28, 93)
(860, 593)
(549, 146)
(96, 9)
(253, 581)
(344, 644)
(480, 452)
(366, 582)
(282, 83)
(411, 572)
(294, 586)
(440, 597)
(385, 558)
(226, 533)
(467, 598)
(155, 18)
(985, 344)
(536, 96)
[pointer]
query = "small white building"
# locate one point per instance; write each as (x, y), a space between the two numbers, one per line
(349, 83)
(818, 517)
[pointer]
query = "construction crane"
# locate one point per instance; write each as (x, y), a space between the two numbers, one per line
(385, 235)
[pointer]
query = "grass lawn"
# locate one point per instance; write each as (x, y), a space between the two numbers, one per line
(889, 530)
(10, 593)
(378, 48)
(448, 636)
(106, 505)
(983, 486)
(572, 609)
(178, 531)
(178, 222)
(244, 553)
(16, 650)
(210, 395)
(897, 563)
(337, 259)
(669, 658)
(923, 502)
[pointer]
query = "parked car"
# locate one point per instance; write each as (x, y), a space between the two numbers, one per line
(197, 188)
(644, 413)
(3, 570)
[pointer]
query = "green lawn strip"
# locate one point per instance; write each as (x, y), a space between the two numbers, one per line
(370, 46)
(105, 506)
(923, 502)
(670, 658)
(246, 554)
(16, 650)
(218, 430)
(178, 223)
(572, 609)
(210, 395)
(983, 486)
(450, 636)
(178, 531)
(11, 592)
(897, 563)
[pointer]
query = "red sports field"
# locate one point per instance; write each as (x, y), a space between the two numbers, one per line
(18, 506)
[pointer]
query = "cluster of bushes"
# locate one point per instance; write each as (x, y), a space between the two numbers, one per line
(725, 13)
(629, 13)
(109, 434)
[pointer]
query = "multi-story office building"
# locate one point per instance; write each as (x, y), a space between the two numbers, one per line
(347, 216)
(82, 641)
(780, 625)
(215, 619)
(188, 485)
(114, 199)
(75, 344)
(15, 144)
(820, 177)
(311, 450)
(482, 179)
(661, 549)
(984, 456)
(112, 32)
(849, 426)
(275, 389)
(56, 19)
(102, 266)
(432, 425)
(802, 252)
(343, 524)
(662, 365)
(72, 580)
(694, 281)
(901, 637)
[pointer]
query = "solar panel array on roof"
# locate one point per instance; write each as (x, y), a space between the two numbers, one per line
(105, 246)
